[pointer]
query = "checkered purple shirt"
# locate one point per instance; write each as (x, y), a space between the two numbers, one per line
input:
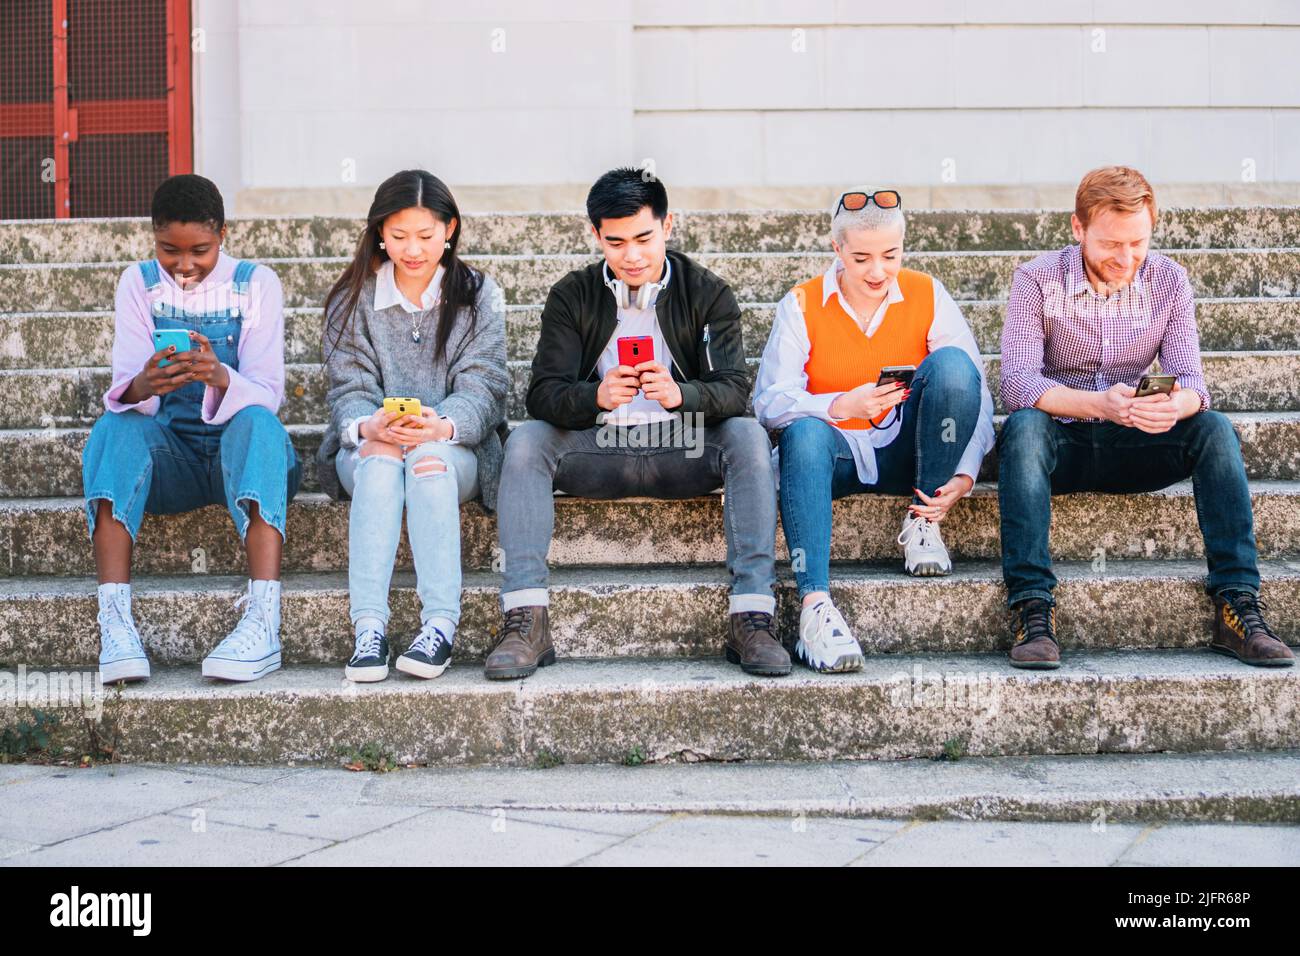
(1094, 341)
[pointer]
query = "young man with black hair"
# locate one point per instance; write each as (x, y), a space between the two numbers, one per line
(595, 418)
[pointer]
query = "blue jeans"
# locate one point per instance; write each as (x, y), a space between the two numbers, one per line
(817, 463)
(1040, 457)
(381, 487)
(144, 466)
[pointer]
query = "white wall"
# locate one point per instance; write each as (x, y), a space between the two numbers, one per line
(752, 94)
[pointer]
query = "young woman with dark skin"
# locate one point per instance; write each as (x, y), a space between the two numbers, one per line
(188, 252)
(191, 426)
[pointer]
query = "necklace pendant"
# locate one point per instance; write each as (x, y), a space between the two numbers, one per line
(415, 336)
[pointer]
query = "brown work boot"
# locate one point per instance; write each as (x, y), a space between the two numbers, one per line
(525, 644)
(752, 645)
(1033, 627)
(1240, 630)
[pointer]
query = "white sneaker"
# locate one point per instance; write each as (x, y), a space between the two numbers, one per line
(121, 653)
(252, 649)
(825, 642)
(924, 554)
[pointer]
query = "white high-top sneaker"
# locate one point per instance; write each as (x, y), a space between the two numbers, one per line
(825, 642)
(121, 654)
(252, 649)
(924, 554)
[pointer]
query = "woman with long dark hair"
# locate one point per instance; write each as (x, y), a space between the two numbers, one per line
(408, 319)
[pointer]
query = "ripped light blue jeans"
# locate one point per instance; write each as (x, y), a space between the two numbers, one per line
(381, 486)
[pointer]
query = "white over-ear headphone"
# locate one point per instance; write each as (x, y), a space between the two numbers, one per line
(623, 295)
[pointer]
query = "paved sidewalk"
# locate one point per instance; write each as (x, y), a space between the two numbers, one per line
(596, 815)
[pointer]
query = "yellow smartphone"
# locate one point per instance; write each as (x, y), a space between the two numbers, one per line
(403, 406)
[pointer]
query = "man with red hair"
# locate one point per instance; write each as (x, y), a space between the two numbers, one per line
(1083, 326)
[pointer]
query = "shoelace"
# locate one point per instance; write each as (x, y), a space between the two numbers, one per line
(825, 619)
(369, 643)
(517, 618)
(752, 621)
(119, 635)
(251, 627)
(922, 529)
(1036, 618)
(428, 640)
(1250, 609)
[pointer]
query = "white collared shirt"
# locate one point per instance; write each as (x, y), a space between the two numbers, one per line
(635, 322)
(781, 392)
(387, 295)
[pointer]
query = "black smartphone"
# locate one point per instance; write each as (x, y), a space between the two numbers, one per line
(1155, 385)
(896, 373)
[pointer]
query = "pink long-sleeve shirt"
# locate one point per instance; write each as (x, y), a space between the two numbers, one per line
(260, 377)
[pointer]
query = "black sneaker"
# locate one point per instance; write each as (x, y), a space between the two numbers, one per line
(430, 653)
(369, 658)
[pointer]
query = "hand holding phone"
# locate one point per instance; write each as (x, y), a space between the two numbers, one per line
(1157, 411)
(618, 387)
(657, 384)
(159, 375)
(869, 400)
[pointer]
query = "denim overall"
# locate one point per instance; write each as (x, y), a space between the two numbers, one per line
(172, 461)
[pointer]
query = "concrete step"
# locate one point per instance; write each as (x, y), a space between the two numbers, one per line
(41, 463)
(48, 535)
(658, 613)
(30, 340)
(754, 277)
(1096, 789)
(550, 233)
(68, 397)
(607, 711)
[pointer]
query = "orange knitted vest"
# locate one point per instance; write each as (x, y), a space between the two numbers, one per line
(842, 358)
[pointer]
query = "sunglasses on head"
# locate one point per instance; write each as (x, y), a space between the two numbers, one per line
(883, 198)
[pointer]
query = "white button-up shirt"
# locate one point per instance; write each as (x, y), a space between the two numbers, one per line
(781, 393)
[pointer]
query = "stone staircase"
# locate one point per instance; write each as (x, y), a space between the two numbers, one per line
(639, 591)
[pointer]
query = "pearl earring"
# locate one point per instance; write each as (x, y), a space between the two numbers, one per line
(382, 246)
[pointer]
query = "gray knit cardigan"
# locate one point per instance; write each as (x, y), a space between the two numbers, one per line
(376, 358)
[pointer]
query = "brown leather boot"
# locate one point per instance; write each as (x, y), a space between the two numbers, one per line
(752, 645)
(1240, 630)
(1033, 627)
(524, 646)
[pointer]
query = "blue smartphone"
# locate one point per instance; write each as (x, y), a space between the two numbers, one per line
(165, 337)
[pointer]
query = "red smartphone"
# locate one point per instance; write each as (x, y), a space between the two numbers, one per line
(635, 349)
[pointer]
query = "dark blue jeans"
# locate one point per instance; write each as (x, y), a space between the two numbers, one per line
(817, 463)
(1040, 457)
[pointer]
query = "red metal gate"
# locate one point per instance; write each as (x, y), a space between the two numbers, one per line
(95, 105)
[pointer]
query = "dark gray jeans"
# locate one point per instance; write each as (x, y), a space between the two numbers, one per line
(605, 462)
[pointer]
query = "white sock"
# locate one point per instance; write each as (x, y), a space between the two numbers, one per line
(739, 603)
(448, 629)
(107, 593)
(368, 624)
